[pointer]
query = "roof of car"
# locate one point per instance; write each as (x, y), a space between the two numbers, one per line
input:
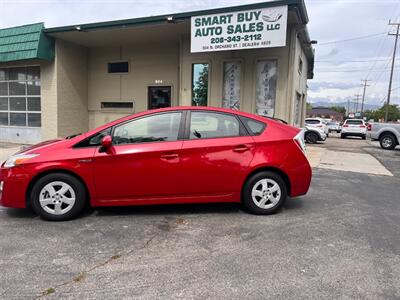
(180, 108)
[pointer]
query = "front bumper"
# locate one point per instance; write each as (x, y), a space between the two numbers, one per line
(15, 182)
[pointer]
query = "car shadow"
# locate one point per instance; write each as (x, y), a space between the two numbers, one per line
(206, 208)
(167, 209)
(20, 213)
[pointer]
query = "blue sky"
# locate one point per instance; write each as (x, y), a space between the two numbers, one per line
(339, 66)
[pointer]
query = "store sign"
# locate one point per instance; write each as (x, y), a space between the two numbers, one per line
(258, 28)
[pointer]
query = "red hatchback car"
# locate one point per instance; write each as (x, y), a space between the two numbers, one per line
(172, 155)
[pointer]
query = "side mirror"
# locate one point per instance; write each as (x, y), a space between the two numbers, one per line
(106, 142)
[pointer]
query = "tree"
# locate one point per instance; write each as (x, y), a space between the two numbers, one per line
(394, 113)
(339, 109)
(200, 89)
(309, 106)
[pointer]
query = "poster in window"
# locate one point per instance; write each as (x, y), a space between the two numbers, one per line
(231, 90)
(266, 87)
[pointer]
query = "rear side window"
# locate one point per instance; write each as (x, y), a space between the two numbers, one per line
(253, 126)
(312, 121)
(354, 122)
(213, 125)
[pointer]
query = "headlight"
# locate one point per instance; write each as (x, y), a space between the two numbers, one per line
(18, 159)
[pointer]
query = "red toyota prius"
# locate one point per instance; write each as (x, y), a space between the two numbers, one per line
(171, 155)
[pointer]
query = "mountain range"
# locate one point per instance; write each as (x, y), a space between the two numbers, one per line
(367, 106)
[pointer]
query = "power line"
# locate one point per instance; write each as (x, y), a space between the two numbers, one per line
(352, 39)
(358, 61)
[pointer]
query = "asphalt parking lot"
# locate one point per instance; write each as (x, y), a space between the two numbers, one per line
(341, 240)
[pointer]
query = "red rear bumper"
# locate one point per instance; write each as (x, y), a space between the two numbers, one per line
(15, 183)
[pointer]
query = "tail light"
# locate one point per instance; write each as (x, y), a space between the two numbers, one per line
(299, 139)
(319, 125)
(362, 126)
(369, 127)
(345, 125)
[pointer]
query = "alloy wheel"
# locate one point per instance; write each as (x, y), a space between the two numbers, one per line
(387, 142)
(266, 193)
(57, 198)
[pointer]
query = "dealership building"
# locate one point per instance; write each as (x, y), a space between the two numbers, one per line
(55, 82)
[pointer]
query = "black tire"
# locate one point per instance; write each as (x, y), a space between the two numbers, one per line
(387, 141)
(247, 200)
(311, 137)
(342, 136)
(364, 137)
(74, 183)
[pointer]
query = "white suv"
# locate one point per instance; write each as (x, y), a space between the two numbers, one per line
(317, 123)
(354, 127)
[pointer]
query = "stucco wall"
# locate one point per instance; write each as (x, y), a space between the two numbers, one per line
(72, 88)
(148, 63)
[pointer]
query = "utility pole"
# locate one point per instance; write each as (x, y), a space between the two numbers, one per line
(356, 103)
(391, 71)
(348, 107)
(363, 96)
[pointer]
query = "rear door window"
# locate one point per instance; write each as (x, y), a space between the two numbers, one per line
(312, 121)
(205, 125)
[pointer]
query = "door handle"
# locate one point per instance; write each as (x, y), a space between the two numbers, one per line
(241, 148)
(169, 156)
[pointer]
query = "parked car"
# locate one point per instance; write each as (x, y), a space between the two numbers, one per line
(163, 156)
(388, 134)
(318, 123)
(354, 127)
(334, 126)
(312, 135)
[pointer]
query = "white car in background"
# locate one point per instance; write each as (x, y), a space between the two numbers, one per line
(313, 135)
(354, 127)
(317, 123)
(334, 126)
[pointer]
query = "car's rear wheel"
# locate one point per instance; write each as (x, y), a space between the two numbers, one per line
(264, 193)
(387, 141)
(58, 197)
(311, 137)
(342, 136)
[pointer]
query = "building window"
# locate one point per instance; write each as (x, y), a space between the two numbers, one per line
(118, 67)
(231, 88)
(266, 87)
(117, 105)
(20, 102)
(300, 65)
(298, 105)
(200, 74)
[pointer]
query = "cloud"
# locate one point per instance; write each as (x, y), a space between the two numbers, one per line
(317, 86)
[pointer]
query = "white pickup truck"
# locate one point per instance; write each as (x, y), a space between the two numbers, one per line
(388, 134)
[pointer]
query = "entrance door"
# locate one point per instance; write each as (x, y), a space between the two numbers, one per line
(159, 96)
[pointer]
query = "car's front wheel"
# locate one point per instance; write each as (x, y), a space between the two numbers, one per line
(58, 197)
(264, 193)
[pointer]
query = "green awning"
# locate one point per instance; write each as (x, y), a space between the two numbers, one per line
(25, 42)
